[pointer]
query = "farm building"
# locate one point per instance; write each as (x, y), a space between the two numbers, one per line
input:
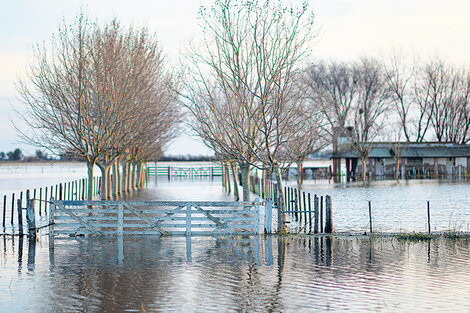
(408, 160)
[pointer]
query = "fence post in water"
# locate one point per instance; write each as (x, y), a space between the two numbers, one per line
(120, 217)
(429, 219)
(268, 216)
(12, 207)
(309, 214)
(31, 218)
(4, 209)
(256, 217)
(321, 214)
(51, 211)
(328, 215)
(296, 205)
(305, 210)
(51, 222)
(315, 214)
(40, 201)
(370, 217)
(188, 220)
(20, 217)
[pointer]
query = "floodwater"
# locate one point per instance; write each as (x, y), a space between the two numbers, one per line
(300, 273)
(397, 207)
(253, 274)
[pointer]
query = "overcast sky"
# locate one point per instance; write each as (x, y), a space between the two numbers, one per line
(348, 29)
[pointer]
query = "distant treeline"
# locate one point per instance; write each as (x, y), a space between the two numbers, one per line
(17, 155)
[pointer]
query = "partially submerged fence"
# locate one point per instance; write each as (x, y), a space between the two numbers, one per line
(71, 190)
(184, 171)
(311, 218)
(157, 217)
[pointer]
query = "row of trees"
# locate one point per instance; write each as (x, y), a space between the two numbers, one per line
(395, 100)
(244, 86)
(256, 102)
(101, 92)
(15, 155)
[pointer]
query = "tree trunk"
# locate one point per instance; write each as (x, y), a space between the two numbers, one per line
(281, 218)
(397, 171)
(300, 169)
(245, 169)
(132, 175)
(109, 182)
(90, 168)
(104, 181)
(129, 176)
(227, 178)
(364, 172)
(114, 178)
(236, 192)
(138, 175)
(124, 177)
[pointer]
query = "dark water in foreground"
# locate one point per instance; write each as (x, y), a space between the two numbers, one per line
(255, 274)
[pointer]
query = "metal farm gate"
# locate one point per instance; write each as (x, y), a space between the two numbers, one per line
(155, 217)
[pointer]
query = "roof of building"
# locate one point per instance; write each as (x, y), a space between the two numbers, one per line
(410, 150)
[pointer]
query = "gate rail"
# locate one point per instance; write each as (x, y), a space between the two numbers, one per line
(157, 217)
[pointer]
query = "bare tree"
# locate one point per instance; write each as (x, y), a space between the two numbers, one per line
(443, 93)
(58, 107)
(90, 94)
(310, 137)
(399, 76)
(334, 87)
(251, 54)
(372, 103)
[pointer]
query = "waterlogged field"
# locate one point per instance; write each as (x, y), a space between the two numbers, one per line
(252, 274)
(295, 273)
(398, 207)
(19, 176)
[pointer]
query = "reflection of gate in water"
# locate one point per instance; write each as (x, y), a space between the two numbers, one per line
(155, 217)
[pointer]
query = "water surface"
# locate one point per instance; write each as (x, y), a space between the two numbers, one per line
(253, 274)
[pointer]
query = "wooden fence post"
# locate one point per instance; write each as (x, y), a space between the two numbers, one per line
(305, 210)
(20, 217)
(329, 215)
(429, 219)
(4, 209)
(188, 220)
(315, 212)
(321, 214)
(296, 205)
(51, 222)
(31, 218)
(12, 207)
(120, 217)
(256, 217)
(40, 201)
(51, 211)
(268, 216)
(309, 214)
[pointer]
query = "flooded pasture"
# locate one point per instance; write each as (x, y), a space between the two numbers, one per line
(252, 274)
(295, 273)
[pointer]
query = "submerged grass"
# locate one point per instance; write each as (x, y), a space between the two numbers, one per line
(416, 237)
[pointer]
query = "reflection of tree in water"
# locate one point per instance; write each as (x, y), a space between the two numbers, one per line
(88, 277)
(224, 273)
